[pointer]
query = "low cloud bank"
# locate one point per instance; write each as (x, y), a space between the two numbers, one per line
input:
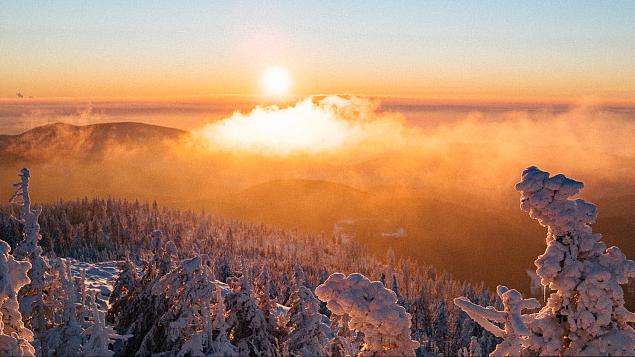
(480, 152)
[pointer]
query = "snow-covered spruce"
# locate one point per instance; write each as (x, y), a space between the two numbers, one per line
(307, 334)
(171, 313)
(125, 288)
(344, 339)
(586, 314)
(98, 336)
(65, 339)
(374, 312)
(250, 332)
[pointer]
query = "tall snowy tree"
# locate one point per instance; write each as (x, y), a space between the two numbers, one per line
(220, 344)
(421, 318)
(585, 315)
(31, 295)
(149, 311)
(263, 289)
(185, 291)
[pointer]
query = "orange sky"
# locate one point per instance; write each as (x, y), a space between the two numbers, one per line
(469, 50)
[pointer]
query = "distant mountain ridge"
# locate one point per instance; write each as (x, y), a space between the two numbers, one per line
(82, 142)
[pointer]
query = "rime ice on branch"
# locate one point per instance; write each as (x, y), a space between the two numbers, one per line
(586, 314)
(373, 310)
(515, 330)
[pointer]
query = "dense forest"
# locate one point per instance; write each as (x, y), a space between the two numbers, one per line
(191, 284)
(112, 229)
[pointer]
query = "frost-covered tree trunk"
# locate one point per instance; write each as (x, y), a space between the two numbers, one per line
(585, 315)
(374, 312)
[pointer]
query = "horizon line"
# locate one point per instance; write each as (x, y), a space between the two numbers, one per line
(293, 98)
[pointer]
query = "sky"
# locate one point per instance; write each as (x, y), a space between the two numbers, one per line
(450, 50)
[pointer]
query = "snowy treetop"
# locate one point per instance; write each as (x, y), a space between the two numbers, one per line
(547, 200)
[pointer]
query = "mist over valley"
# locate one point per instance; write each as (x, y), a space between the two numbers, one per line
(442, 178)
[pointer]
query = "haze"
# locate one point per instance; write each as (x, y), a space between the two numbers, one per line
(404, 125)
(442, 174)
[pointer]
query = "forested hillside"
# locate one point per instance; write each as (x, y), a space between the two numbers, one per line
(111, 229)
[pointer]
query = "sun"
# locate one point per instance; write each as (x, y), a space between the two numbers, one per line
(276, 81)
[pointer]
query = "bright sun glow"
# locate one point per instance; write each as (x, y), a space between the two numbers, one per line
(276, 81)
(307, 127)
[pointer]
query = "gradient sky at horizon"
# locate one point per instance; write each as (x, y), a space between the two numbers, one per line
(478, 50)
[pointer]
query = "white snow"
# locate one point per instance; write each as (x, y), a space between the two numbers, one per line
(401, 232)
(100, 277)
(585, 315)
(373, 310)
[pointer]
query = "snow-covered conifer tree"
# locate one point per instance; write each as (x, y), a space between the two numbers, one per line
(98, 336)
(421, 318)
(585, 315)
(440, 329)
(307, 335)
(299, 278)
(65, 339)
(374, 312)
(220, 344)
(28, 217)
(265, 302)
(158, 262)
(250, 332)
(124, 289)
(185, 292)
(14, 337)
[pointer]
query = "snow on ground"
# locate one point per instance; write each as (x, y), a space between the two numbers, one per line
(398, 234)
(101, 278)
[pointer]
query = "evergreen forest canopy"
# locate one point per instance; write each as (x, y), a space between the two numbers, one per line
(215, 286)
